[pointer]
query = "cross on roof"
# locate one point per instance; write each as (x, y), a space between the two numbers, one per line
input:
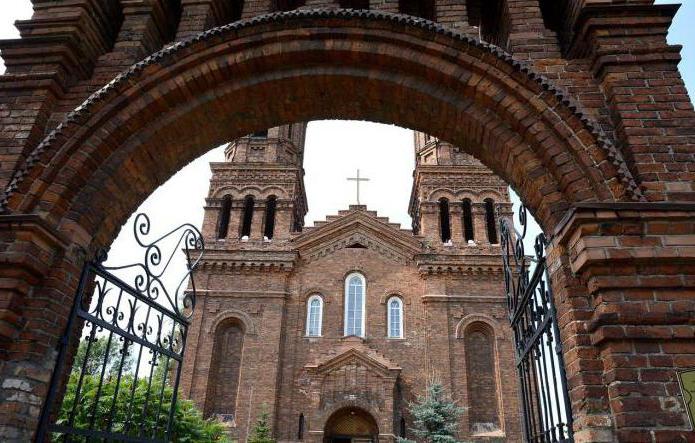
(357, 180)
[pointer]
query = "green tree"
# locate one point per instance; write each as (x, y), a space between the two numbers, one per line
(261, 432)
(97, 356)
(134, 407)
(436, 416)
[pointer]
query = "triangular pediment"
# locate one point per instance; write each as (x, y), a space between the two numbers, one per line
(358, 354)
(357, 229)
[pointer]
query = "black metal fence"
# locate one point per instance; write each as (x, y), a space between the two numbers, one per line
(119, 361)
(547, 415)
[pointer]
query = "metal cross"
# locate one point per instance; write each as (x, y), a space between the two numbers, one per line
(358, 180)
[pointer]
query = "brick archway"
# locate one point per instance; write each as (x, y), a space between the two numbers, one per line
(182, 101)
(82, 182)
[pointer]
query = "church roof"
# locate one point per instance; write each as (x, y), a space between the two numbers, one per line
(357, 227)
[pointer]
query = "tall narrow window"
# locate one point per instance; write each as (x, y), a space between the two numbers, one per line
(300, 431)
(247, 217)
(270, 205)
(395, 317)
(490, 221)
(314, 316)
(482, 386)
(402, 430)
(444, 220)
(354, 304)
(354, 4)
(225, 370)
(225, 210)
(468, 220)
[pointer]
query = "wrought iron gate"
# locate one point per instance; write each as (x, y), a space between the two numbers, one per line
(122, 385)
(547, 415)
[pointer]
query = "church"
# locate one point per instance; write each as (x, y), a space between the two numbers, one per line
(334, 329)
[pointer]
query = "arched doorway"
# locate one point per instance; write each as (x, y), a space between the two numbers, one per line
(351, 425)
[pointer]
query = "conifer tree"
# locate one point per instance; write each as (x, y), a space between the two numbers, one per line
(436, 417)
(261, 432)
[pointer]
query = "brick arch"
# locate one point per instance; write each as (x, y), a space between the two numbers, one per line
(153, 119)
(232, 315)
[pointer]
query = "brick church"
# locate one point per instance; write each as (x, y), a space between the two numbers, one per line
(335, 328)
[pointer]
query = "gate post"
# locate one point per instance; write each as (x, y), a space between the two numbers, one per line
(634, 328)
(37, 278)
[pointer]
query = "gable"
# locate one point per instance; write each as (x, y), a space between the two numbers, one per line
(358, 230)
(358, 356)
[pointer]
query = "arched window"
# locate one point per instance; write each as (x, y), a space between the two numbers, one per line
(354, 4)
(355, 300)
(418, 8)
(444, 220)
(482, 386)
(314, 316)
(225, 210)
(468, 220)
(490, 221)
(300, 431)
(225, 369)
(270, 205)
(289, 5)
(394, 317)
(247, 217)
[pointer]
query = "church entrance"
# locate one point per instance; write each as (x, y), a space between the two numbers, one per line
(351, 425)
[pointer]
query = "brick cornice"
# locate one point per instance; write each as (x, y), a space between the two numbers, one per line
(639, 234)
(35, 245)
(597, 22)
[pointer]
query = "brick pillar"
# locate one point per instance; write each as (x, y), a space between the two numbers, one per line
(235, 219)
(528, 37)
(258, 222)
(211, 219)
(283, 219)
(648, 102)
(479, 223)
(456, 222)
(453, 13)
(626, 338)
(429, 222)
(37, 283)
(60, 43)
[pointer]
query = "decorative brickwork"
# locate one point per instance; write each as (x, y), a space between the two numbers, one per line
(585, 115)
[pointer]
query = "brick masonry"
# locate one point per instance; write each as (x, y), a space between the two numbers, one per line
(451, 292)
(585, 115)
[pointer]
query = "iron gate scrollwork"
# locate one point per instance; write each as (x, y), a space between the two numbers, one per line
(547, 415)
(123, 382)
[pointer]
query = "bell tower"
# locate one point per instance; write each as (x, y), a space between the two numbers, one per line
(257, 194)
(455, 201)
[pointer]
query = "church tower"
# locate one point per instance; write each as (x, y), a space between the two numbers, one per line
(257, 193)
(334, 329)
(455, 200)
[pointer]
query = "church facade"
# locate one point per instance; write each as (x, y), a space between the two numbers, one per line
(334, 329)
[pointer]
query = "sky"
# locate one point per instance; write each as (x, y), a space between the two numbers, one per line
(334, 151)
